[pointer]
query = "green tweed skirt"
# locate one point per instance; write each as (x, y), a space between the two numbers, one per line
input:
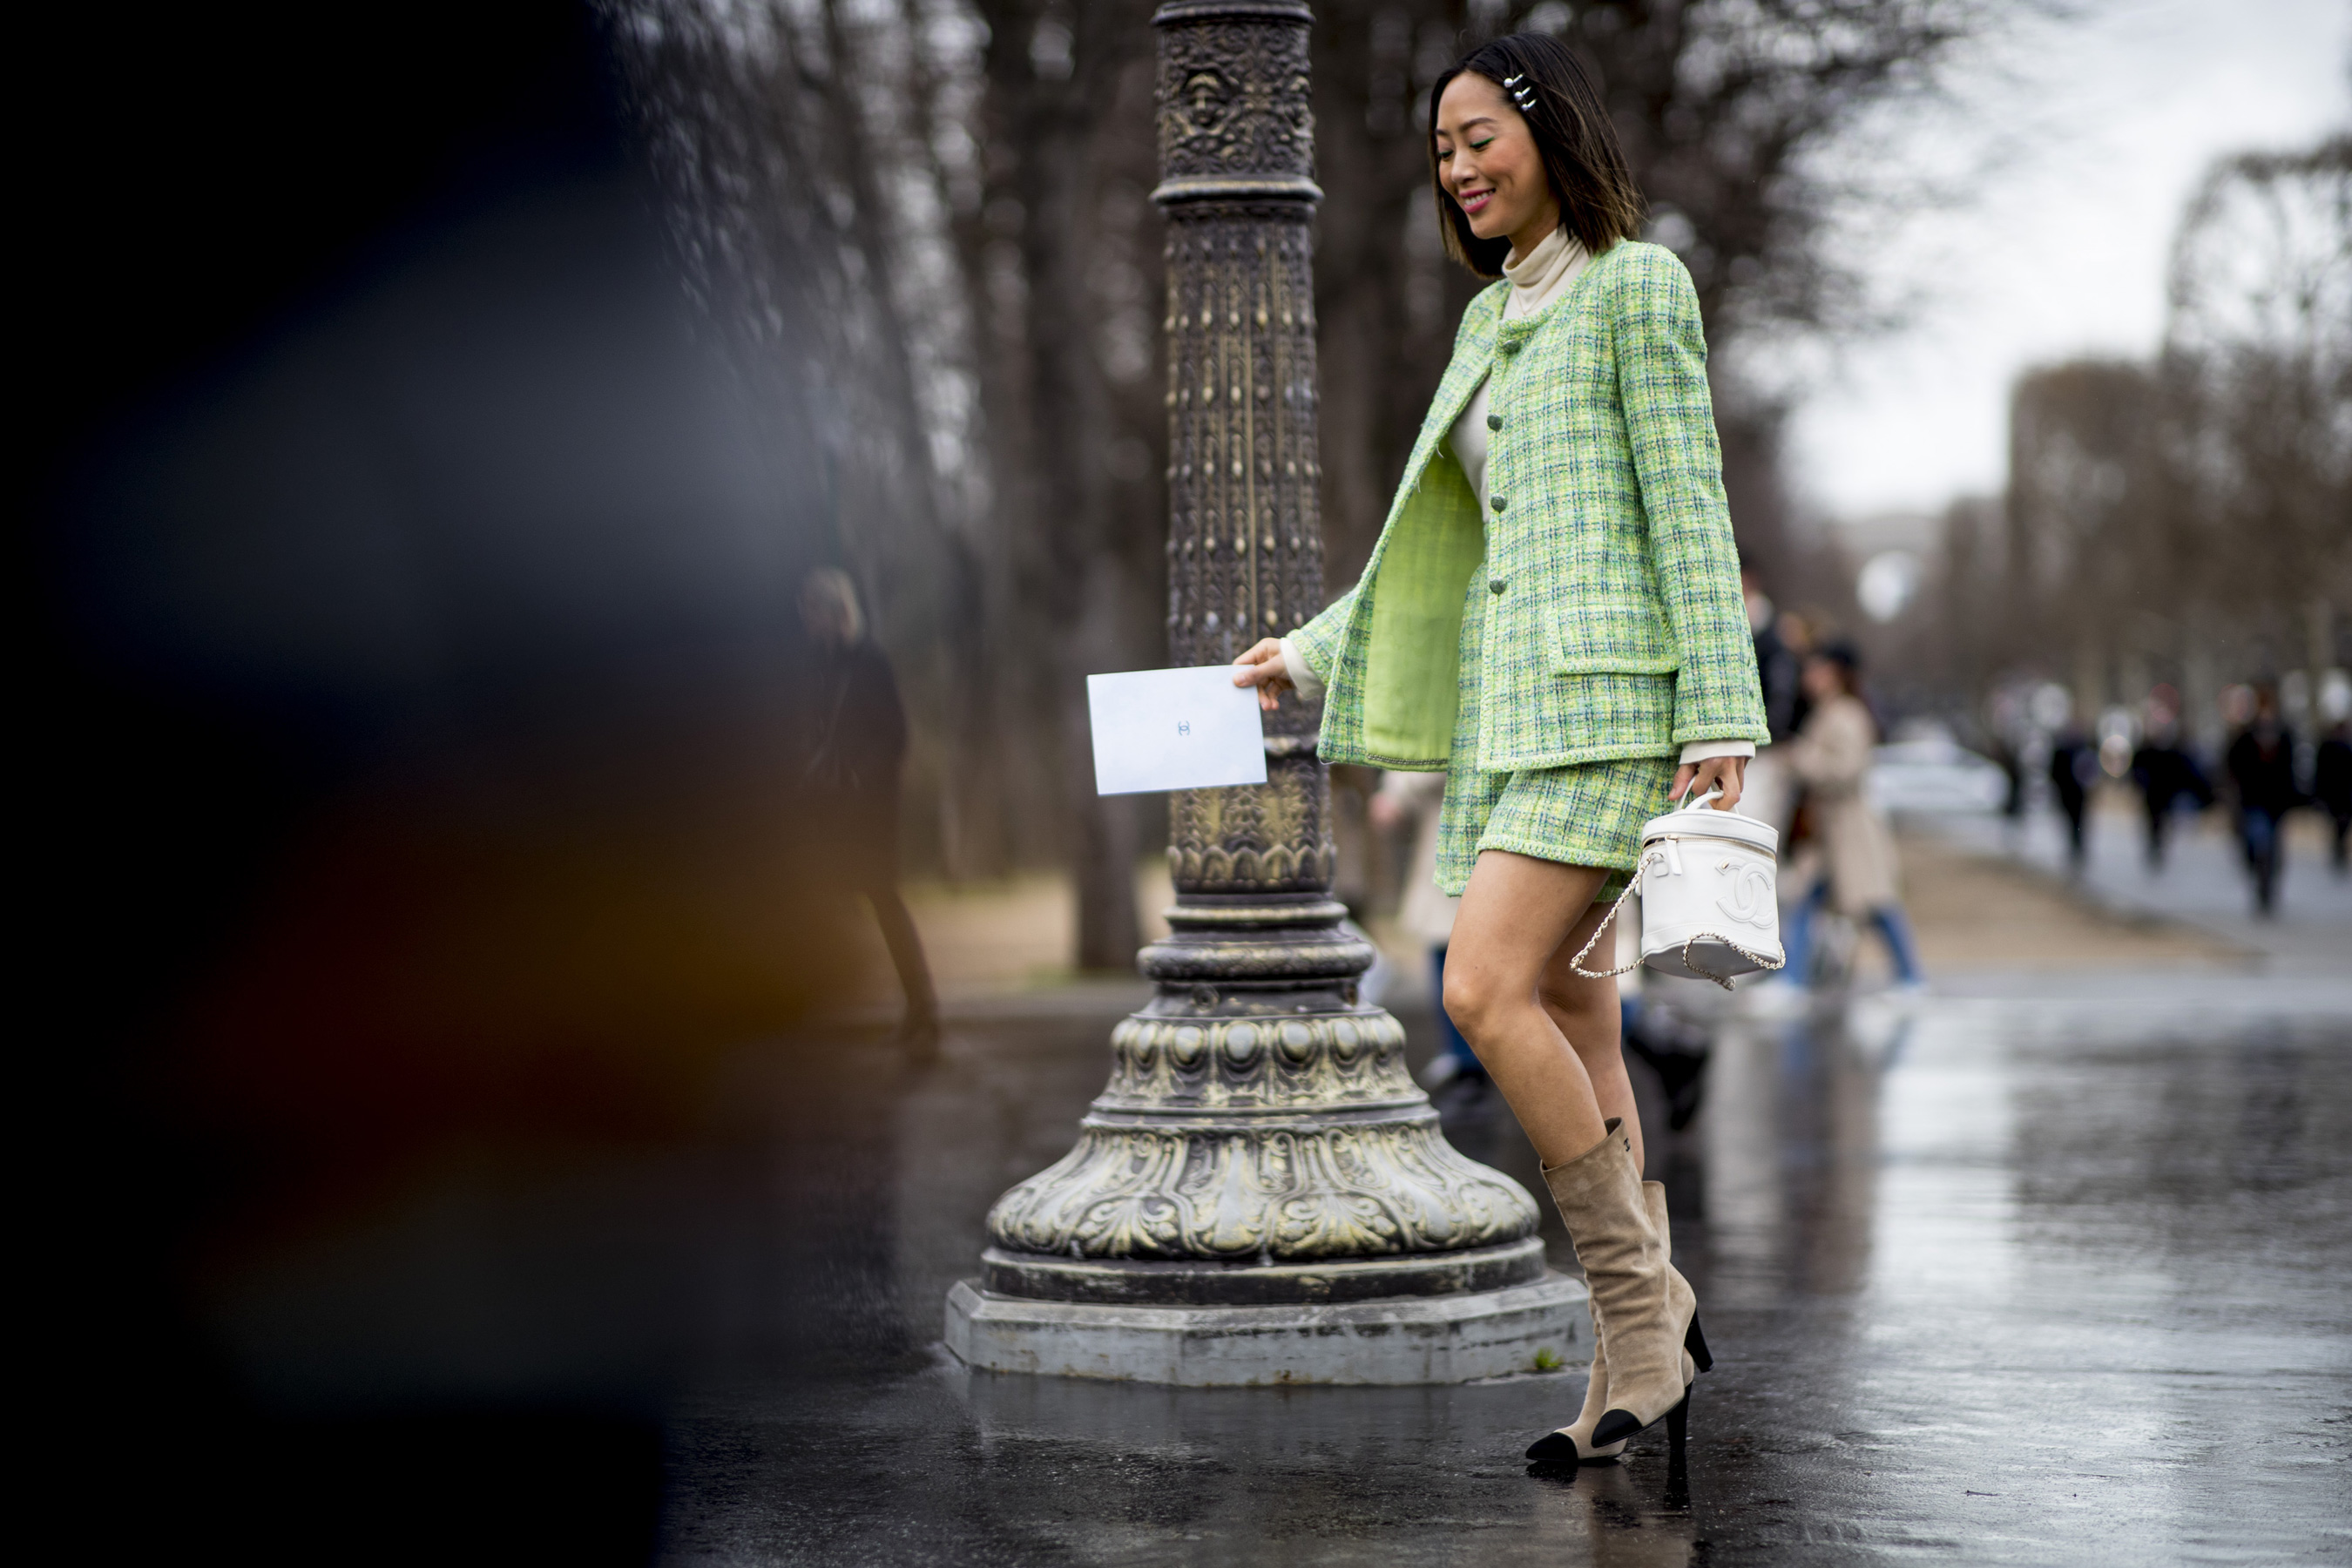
(1590, 814)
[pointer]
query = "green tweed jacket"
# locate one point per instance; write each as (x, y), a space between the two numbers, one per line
(1615, 624)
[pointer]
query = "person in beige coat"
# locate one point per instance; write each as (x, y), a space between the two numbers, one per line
(1831, 757)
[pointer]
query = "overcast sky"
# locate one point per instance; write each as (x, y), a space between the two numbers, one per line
(2094, 131)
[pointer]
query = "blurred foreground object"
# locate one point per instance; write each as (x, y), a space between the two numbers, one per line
(1262, 1193)
(421, 842)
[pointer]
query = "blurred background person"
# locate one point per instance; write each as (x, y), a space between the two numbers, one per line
(2013, 775)
(1674, 1048)
(2006, 731)
(856, 750)
(2331, 786)
(2261, 777)
(1771, 792)
(2073, 769)
(1831, 755)
(1427, 911)
(2166, 773)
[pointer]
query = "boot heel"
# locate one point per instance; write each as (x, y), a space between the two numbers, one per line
(1696, 1343)
(1678, 1425)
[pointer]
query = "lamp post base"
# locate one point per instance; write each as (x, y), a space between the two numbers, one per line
(1398, 1340)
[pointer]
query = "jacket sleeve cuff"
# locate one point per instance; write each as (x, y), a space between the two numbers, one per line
(1694, 750)
(1302, 674)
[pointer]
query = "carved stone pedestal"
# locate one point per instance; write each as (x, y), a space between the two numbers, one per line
(1262, 1193)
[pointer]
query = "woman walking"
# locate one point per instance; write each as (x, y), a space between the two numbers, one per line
(1831, 756)
(857, 747)
(1553, 616)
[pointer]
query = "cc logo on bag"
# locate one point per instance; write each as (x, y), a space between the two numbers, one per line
(1750, 900)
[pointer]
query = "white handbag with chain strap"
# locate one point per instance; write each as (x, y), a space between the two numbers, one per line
(1710, 910)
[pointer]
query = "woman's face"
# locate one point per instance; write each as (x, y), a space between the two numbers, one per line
(1823, 678)
(1488, 161)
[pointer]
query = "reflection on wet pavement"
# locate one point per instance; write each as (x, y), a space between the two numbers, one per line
(2035, 1278)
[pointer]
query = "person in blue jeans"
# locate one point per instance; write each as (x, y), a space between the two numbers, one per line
(1832, 755)
(1888, 920)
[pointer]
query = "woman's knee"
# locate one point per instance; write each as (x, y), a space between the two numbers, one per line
(1478, 1000)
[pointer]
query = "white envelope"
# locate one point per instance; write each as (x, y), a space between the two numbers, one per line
(1175, 729)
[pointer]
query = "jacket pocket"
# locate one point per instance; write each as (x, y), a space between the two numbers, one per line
(1611, 639)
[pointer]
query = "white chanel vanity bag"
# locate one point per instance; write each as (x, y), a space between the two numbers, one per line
(1709, 907)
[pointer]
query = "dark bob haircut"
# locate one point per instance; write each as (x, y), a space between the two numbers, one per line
(1598, 202)
(1841, 653)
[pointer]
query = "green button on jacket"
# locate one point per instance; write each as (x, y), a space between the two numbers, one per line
(1624, 634)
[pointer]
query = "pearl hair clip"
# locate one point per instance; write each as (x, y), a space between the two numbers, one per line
(1522, 91)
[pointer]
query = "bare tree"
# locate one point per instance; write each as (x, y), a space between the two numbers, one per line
(2086, 499)
(1069, 293)
(2192, 516)
(825, 275)
(2258, 367)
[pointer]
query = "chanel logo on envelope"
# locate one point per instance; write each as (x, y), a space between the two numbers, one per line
(1175, 729)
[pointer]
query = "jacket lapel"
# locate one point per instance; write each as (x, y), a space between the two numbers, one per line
(1472, 358)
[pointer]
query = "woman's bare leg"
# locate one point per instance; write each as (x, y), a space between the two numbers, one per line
(1588, 1016)
(1548, 1038)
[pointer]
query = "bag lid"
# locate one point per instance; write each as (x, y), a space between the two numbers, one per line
(1699, 820)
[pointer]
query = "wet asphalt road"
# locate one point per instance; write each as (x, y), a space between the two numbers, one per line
(2056, 1274)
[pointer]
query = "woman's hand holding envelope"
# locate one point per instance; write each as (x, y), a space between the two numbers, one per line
(1261, 667)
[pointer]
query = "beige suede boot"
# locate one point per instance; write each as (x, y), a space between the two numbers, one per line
(1644, 1314)
(1682, 1301)
(1573, 1444)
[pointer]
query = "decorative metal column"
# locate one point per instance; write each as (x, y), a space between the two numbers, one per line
(1260, 1144)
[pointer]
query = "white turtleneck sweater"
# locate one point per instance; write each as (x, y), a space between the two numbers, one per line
(1536, 278)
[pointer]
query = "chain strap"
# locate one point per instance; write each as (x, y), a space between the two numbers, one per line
(1577, 964)
(1695, 967)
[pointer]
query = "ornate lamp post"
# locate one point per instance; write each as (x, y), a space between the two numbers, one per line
(1262, 1192)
